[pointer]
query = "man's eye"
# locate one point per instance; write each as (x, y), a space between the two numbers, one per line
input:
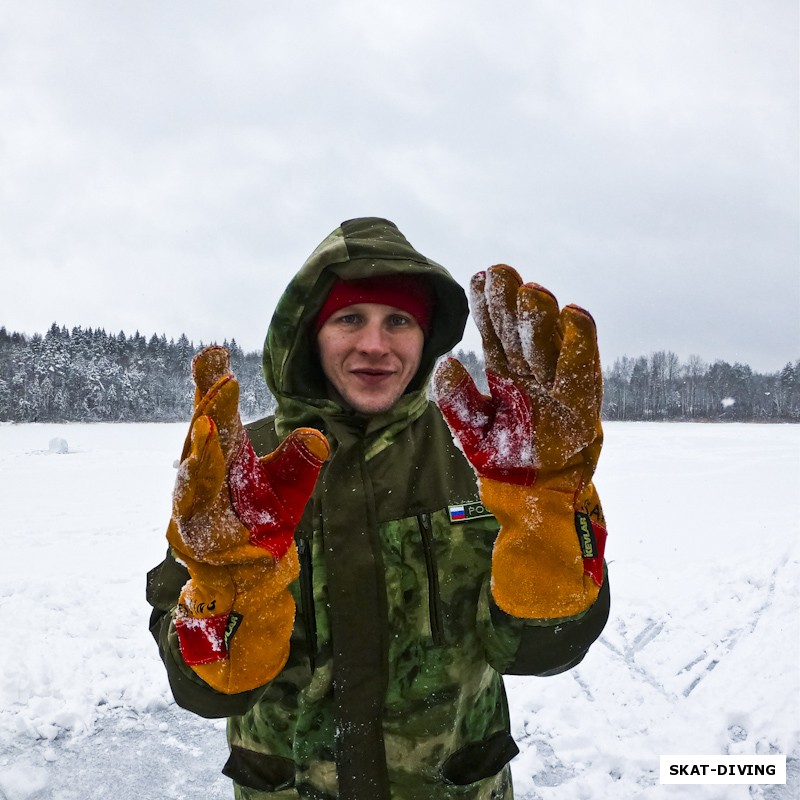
(398, 319)
(349, 319)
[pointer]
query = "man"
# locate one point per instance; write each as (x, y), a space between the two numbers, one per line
(356, 641)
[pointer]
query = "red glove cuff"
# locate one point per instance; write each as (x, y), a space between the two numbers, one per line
(202, 639)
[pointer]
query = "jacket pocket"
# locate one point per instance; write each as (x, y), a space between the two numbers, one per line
(304, 552)
(434, 599)
(261, 771)
(478, 760)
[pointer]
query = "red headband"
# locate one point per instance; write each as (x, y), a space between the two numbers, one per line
(407, 292)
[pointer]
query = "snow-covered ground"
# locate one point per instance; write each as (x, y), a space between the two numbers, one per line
(701, 655)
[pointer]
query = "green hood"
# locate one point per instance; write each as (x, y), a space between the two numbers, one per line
(358, 248)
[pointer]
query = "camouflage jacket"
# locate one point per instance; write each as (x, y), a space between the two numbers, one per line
(393, 687)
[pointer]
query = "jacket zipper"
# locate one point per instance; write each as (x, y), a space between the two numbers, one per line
(434, 601)
(307, 598)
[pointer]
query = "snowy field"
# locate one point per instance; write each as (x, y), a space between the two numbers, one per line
(701, 655)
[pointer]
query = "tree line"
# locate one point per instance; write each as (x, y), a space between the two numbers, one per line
(88, 375)
(661, 387)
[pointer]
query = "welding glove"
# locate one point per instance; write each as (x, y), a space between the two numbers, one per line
(232, 525)
(534, 443)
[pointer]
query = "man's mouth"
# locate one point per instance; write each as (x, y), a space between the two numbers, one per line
(372, 375)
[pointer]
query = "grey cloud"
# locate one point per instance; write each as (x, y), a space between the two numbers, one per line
(167, 166)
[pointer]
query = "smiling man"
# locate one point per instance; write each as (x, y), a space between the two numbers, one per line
(370, 334)
(345, 582)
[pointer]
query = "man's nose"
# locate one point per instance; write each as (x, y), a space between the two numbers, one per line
(373, 339)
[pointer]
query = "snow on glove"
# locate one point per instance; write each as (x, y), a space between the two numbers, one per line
(534, 443)
(233, 521)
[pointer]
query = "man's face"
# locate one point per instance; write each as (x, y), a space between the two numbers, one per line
(369, 354)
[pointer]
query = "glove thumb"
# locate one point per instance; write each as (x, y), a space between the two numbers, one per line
(269, 494)
(465, 409)
(293, 467)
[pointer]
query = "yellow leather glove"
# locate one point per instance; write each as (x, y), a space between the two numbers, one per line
(534, 443)
(232, 525)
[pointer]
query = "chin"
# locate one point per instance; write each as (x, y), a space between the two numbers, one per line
(372, 406)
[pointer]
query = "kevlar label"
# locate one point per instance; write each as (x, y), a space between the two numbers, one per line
(586, 537)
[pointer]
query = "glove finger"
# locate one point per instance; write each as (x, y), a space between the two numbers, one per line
(465, 409)
(578, 381)
(208, 366)
(502, 286)
(494, 356)
(449, 374)
(221, 404)
(202, 471)
(539, 330)
(217, 395)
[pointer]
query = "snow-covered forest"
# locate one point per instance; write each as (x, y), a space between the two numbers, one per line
(88, 375)
(660, 386)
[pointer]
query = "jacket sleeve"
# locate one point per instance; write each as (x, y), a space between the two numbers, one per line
(539, 647)
(164, 584)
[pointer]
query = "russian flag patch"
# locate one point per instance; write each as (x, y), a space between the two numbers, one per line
(464, 512)
(457, 513)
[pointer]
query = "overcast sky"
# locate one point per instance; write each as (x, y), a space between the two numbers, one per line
(166, 165)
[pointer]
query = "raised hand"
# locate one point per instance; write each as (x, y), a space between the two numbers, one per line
(229, 505)
(533, 441)
(543, 371)
(232, 524)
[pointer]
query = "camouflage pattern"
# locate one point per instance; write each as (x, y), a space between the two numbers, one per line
(444, 727)
(443, 695)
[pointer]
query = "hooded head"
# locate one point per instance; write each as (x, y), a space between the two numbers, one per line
(357, 253)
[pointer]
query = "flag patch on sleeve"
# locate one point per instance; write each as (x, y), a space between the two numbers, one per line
(457, 513)
(464, 512)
